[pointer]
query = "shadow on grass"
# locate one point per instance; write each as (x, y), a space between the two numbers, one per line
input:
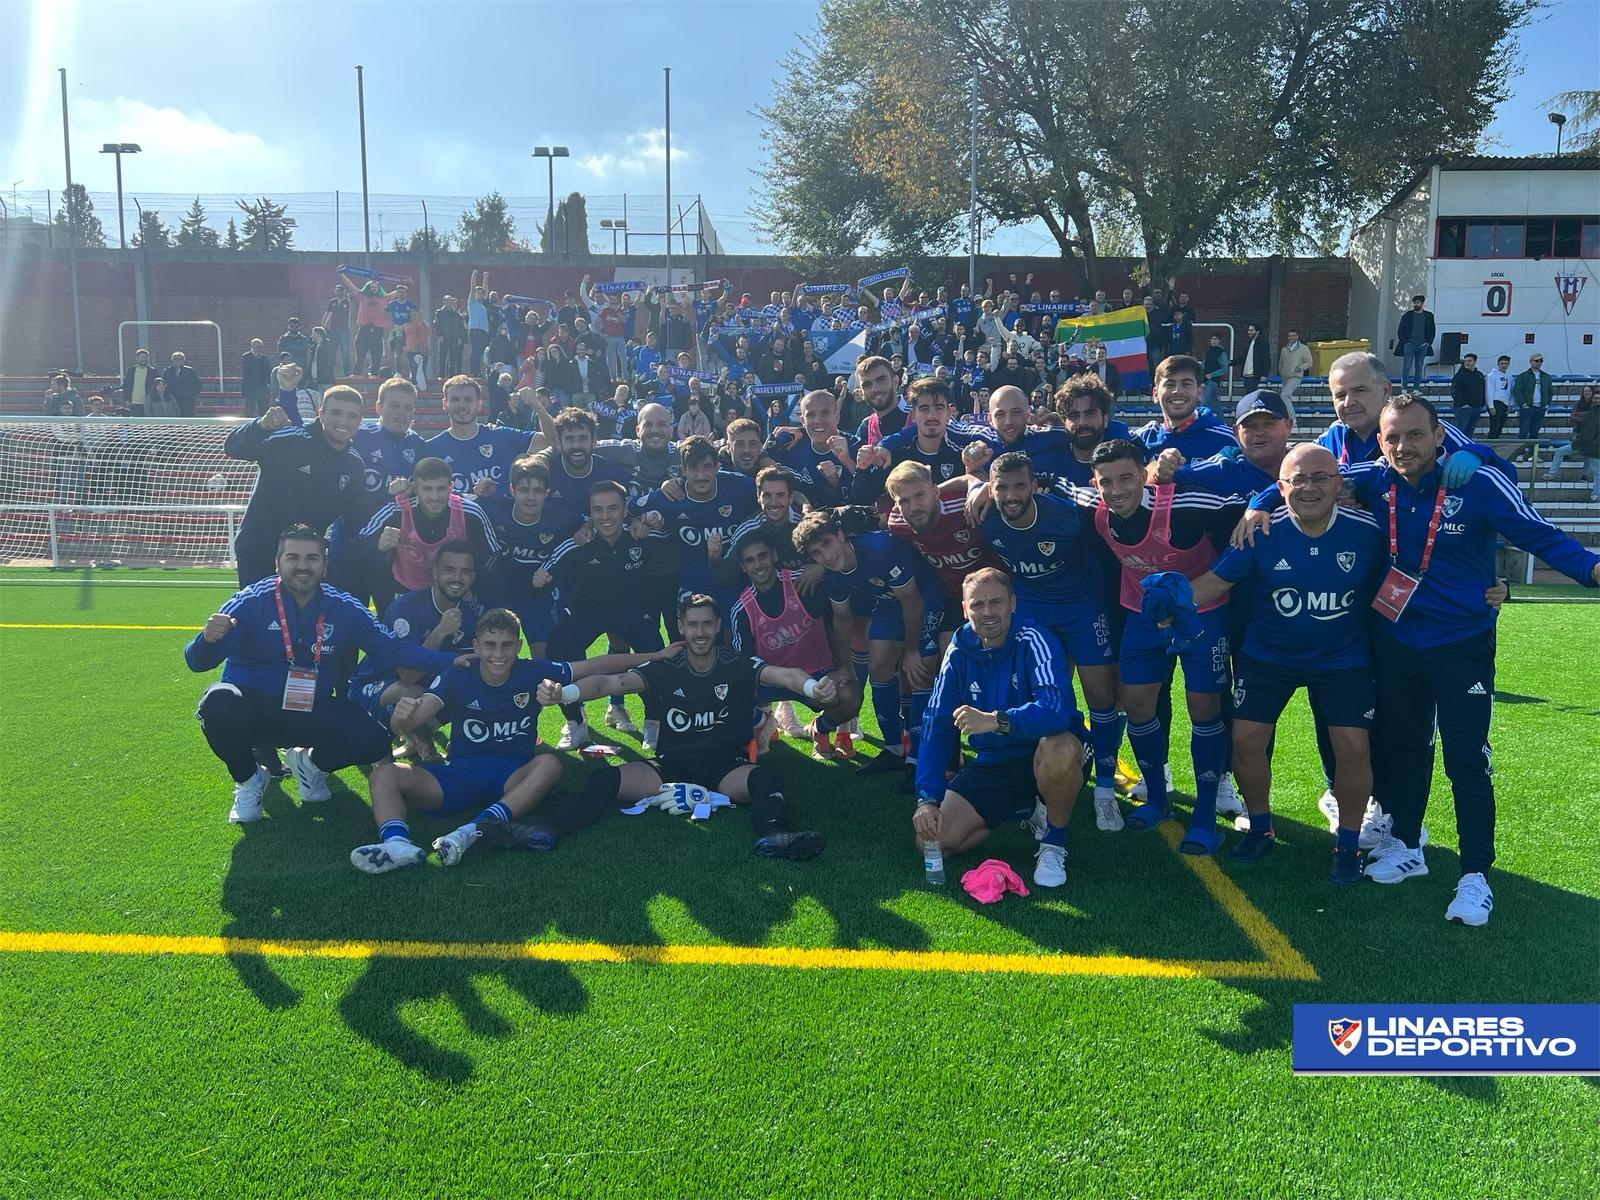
(653, 880)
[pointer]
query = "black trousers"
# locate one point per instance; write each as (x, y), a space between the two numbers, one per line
(1444, 694)
(369, 350)
(1497, 419)
(236, 721)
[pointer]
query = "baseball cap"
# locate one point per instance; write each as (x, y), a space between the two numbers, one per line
(1261, 400)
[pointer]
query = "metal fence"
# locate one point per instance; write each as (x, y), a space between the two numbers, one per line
(333, 221)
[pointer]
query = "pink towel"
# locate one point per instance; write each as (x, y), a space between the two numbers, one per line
(992, 879)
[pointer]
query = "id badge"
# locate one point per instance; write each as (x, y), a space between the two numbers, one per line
(299, 690)
(1394, 593)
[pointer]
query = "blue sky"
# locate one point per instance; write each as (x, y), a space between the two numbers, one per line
(252, 97)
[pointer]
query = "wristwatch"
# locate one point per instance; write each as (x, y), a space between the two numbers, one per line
(1002, 723)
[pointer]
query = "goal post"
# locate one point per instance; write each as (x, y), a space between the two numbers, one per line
(80, 491)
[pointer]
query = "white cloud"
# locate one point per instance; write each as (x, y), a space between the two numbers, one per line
(187, 151)
(642, 152)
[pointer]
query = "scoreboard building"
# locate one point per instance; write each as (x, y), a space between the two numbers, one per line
(1505, 250)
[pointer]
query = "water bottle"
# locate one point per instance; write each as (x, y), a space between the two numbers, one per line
(932, 863)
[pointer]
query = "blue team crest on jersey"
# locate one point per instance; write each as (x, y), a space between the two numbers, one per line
(634, 553)
(1452, 505)
(725, 510)
(409, 455)
(721, 690)
(546, 538)
(1346, 560)
(520, 699)
(486, 451)
(963, 536)
(875, 582)
(1047, 548)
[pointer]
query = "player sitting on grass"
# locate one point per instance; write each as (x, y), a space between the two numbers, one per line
(706, 694)
(776, 622)
(277, 642)
(1004, 684)
(493, 712)
(441, 617)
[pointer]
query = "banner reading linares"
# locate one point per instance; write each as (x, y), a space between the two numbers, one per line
(1447, 1038)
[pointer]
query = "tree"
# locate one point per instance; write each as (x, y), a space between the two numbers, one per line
(1583, 111)
(487, 228)
(151, 232)
(264, 227)
(1206, 129)
(78, 208)
(428, 238)
(570, 230)
(193, 230)
(230, 240)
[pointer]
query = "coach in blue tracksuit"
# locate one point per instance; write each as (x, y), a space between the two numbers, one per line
(1004, 684)
(1433, 639)
(278, 643)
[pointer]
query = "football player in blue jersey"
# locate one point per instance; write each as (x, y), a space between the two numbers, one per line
(494, 763)
(1311, 585)
(702, 510)
(528, 532)
(1003, 683)
(820, 458)
(903, 627)
(480, 456)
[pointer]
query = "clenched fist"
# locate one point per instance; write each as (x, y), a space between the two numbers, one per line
(388, 539)
(217, 627)
(449, 624)
(274, 419)
(405, 712)
(288, 376)
(549, 693)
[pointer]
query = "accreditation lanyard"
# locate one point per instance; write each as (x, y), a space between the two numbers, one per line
(299, 685)
(1397, 588)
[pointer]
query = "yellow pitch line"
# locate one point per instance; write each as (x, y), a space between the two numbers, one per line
(13, 625)
(1286, 962)
(793, 957)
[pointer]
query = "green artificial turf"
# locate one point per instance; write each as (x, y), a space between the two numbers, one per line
(167, 1075)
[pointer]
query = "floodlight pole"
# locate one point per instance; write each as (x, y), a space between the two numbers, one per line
(72, 226)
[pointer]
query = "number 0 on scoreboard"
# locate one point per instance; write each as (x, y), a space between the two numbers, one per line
(1496, 298)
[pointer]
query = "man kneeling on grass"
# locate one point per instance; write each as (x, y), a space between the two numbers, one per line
(706, 694)
(492, 708)
(1004, 684)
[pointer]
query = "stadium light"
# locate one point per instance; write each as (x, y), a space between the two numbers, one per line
(550, 154)
(615, 224)
(1558, 120)
(119, 149)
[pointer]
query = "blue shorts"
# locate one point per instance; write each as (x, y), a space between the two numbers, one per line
(473, 782)
(766, 695)
(367, 697)
(887, 622)
(1145, 657)
(1344, 697)
(537, 616)
(1083, 629)
(999, 791)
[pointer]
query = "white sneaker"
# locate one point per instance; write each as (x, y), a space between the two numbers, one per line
(1397, 862)
(1107, 812)
(247, 798)
(1328, 806)
(454, 844)
(312, 782)
(1388, 844)
(387, 856)
(573, 735)
(1228, 802)
(1474, 901)
(617, 718)
(1050, 868)
(1377, 825)
(1141, 793)
(788, 724)
(1038, 823)
(652, 736)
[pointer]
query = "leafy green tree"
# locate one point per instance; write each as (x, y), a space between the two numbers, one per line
(427, 237)
(569, 233)
(151, 232)
(193, 230)
(264, 227)
(487, 228)
(77, 207)
(230, 239)
(1202, 129)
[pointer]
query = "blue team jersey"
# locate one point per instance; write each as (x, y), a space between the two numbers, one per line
(1351, 448)
(1223, 476)
(494, 721)
(411, 617)
(1051, 560)
(487, 455)
(570, 493)
(883, 563)
(400, 311)
(524, 547)
(1201, 436)
(1310, 596)
(1050, 450)
(692, 521)
(386, 457)
(801, 459)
